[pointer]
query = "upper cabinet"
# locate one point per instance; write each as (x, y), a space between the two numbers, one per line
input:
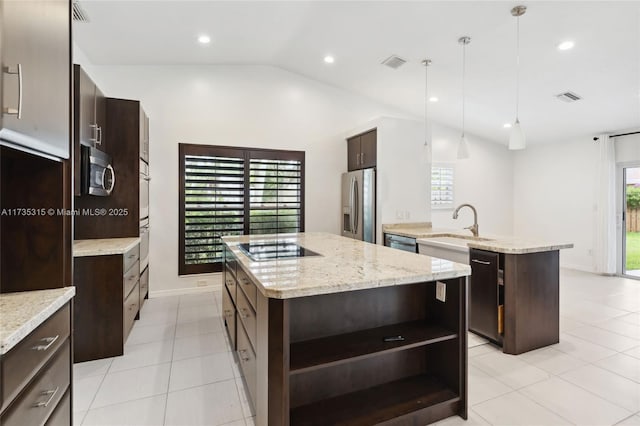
(127, 143)
(362, 151)
(35, 79)
(89, 121)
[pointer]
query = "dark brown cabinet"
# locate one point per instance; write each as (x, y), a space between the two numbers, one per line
(362, 151)
(90, 117)
(325, 359)
(509, 293)
(36, 375)
(484, 295)
(126, 122)
(107, 302)
(35, 77)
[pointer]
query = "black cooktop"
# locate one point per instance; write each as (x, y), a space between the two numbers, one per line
(275, 250)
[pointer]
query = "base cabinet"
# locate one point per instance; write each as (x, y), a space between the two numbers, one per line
(106, 304)
(509, 293)
(36, 375)
(327, 359)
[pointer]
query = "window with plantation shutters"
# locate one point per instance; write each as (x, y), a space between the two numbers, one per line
(235, 191)
(275, 196)
(442, 186)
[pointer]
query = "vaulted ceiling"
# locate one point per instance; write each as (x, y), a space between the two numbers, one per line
(603, 67)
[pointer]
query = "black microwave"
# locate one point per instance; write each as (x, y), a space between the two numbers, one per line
(98, 177)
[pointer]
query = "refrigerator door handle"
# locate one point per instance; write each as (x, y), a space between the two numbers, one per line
(355, 206)
(351, 205)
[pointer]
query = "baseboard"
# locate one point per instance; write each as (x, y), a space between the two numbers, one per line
(575, 267)
(181, 291)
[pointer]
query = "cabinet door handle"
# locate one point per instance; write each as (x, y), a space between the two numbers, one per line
(12, 111)
(99, 135)
(49, 342)
(245, 313)
(52, 394)
(362, 158)
(358, 158)
(482, 262)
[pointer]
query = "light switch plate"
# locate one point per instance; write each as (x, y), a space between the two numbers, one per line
(441, 291)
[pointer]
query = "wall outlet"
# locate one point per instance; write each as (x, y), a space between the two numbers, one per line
(398, 214)
(590, 252)
(201, 283)
(441, 291)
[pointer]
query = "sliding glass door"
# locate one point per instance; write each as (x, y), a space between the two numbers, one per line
(631, 221)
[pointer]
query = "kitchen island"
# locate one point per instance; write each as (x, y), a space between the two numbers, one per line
(514, 291)
(330, 330)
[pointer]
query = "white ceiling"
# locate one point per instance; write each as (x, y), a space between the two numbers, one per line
(603, 68)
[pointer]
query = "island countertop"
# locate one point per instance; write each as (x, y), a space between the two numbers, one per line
(103, 246)
(495, 243)
(344, 264)
(23, 312)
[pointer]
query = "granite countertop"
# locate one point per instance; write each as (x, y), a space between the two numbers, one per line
(23, 312)
(344, 265)
(103, 247)
(496, 243)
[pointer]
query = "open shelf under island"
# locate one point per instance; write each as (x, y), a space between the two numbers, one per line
(352, 333)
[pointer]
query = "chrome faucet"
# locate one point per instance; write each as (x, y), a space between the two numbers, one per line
(473, 228)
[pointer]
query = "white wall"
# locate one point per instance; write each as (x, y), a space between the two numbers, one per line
(249, 106)
(484, 180)
(403, 171)
(555, 197)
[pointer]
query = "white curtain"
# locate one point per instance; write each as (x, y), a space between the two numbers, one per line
(605, 244)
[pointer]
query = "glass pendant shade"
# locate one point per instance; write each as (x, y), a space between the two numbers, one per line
(463, 148)
(517, 139)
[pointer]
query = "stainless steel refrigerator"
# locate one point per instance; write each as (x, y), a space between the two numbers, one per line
(359, 205)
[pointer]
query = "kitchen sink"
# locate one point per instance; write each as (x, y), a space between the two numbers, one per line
(455, 248)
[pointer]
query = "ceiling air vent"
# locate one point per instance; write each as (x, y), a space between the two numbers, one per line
(568, 97)
(394, 62)
(79, 15)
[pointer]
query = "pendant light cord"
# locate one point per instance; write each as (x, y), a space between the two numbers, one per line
(464, 63)
(517, 68)
(426, 102)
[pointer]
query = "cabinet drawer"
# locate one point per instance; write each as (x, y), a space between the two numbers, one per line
(230, 263)
(248, 287)
(230, 283)
(130, 279)
(130, 258)
(247, 316)
(39, 400)
(229, 314)
(130, 310)
(62, 414)
(24, 361)
(247, 363)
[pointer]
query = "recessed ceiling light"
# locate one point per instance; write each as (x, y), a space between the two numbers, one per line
(204, 39)
(566, 45)
(433, 99)
(329, 59)
(507, 125)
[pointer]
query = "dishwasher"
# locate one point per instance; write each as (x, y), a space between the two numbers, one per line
(400, 242)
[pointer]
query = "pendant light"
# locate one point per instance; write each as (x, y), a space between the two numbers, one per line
(463, 147)
(517, 139)
(427, 124)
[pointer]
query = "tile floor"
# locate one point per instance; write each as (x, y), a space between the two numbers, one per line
(177, 368)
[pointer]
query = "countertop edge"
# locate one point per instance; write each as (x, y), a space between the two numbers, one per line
(319, 291)
(87, 252)
(494, 246)
(34, 322)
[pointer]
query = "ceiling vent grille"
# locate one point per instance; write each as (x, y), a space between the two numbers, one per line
(79, 15)
(568, 97)
(394, 62)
